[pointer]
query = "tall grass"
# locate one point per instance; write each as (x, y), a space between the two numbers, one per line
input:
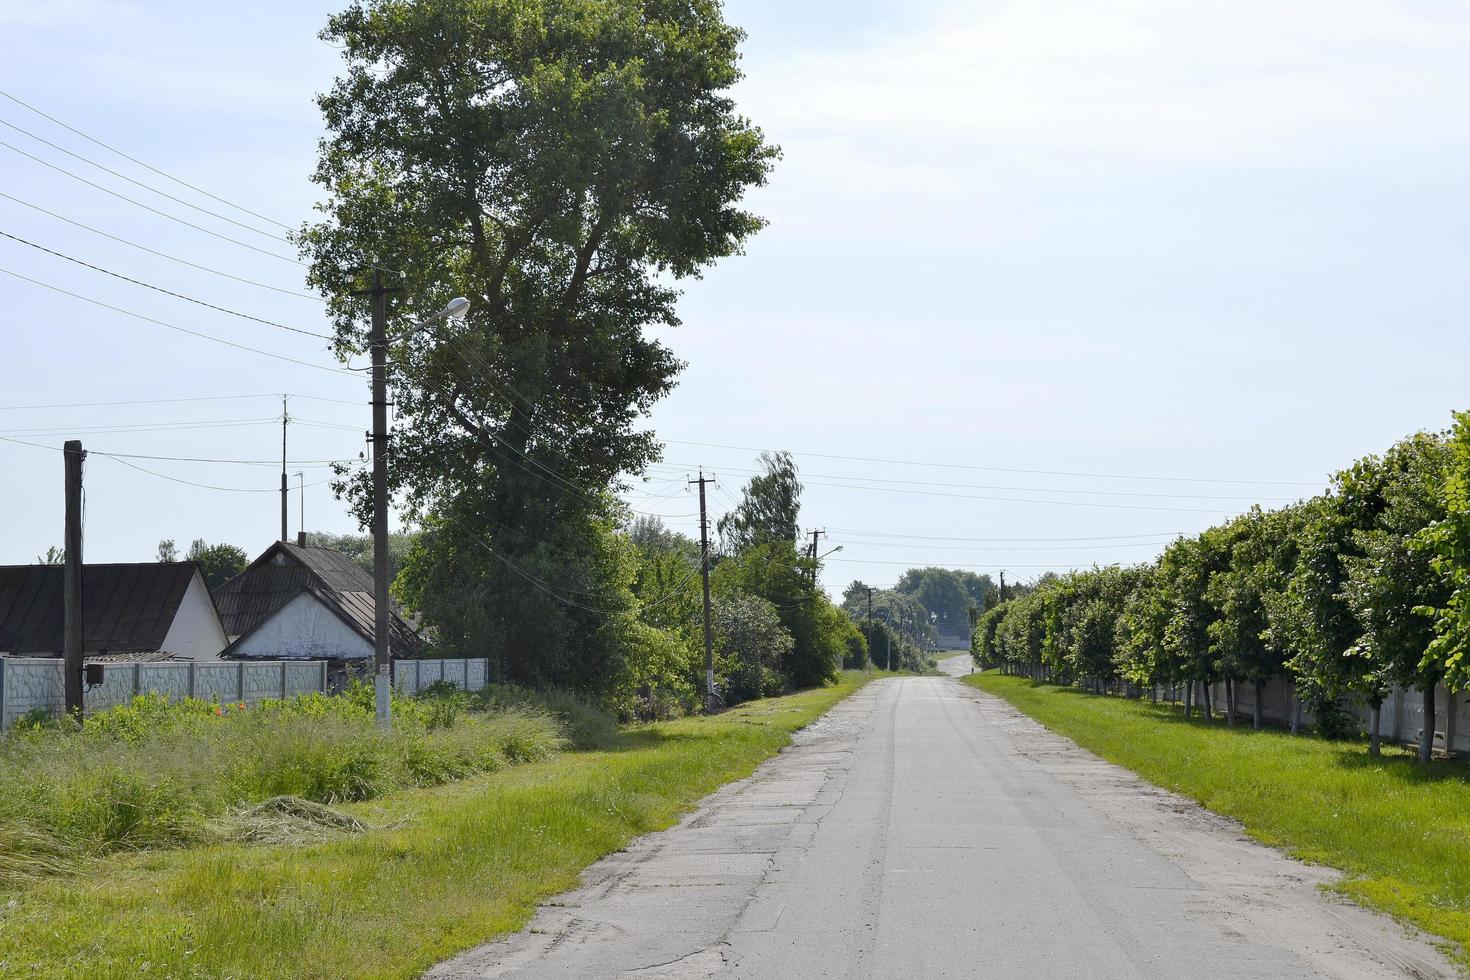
(440, 870)
(151, 774)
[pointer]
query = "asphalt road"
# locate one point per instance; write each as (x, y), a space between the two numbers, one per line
(923, 829)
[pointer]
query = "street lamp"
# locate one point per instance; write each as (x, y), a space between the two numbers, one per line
(456, 309)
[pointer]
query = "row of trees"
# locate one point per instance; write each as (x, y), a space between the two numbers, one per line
(629, 629)
(1350, 593)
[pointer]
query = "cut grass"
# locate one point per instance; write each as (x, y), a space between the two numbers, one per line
(452, 867)
(1401, 830)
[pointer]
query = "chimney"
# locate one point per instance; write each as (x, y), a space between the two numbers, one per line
(301, 539)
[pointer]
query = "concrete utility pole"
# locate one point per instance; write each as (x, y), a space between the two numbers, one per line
(382, 613)
(72, 637)
(1002, 585)
(709, 640)
(285, 535)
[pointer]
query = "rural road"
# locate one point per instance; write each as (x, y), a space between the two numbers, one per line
(924, 829)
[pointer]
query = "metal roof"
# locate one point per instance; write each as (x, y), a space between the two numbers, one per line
(125, 607)
(285, 571)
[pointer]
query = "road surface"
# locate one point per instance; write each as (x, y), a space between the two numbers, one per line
(924, 829)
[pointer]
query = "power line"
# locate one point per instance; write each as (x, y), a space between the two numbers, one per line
(170, 401)
(166, 292)
(202, 486)
(912, 564)
(145, 207)
(170, 326)
(113, 149)
(947, 537)
(980, 486)
(124, 457)
(1021, 500)
(1003, 469)
(138, 183)
(161, 255)
(1008, 549)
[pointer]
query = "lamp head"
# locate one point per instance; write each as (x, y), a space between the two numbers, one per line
(457, 309)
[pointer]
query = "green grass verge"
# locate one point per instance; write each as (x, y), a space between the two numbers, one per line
(454, 866)
(1401, 830)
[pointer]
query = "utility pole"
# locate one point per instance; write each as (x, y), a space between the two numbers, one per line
(71, 633)
(285, 535)
(1002, 585)
(886, 656)
(709, 640)
(301, 489)
(382, 614)
(815, 536)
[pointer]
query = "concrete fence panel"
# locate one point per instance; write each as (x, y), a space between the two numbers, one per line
(412, 676)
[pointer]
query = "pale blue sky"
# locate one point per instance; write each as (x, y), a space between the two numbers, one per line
(1212, 241)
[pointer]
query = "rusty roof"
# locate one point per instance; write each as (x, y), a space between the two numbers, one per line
(126, 608)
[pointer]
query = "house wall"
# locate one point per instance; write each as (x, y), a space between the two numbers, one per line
(196, 632)
(304, 629)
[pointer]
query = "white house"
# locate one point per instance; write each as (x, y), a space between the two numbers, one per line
(139, 610)
(300, 603)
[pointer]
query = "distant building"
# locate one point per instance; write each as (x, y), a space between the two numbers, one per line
(299, 603)
(134, 611)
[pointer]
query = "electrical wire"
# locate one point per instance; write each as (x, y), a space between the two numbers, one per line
(163, 214)
(922, 537)
(1004, 469)
(166, 292)
(1022, 500)
(275, 236)
(146, 166)
(161, 255)
(171, 401)
(170, 326)
(857, 479)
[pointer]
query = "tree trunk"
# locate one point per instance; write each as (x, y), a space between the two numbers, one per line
(1295, 707)
(1230, 702)
(1426, 736)
(1209, 690)
(1258, 716)
(1375, 727)
(1189, 699)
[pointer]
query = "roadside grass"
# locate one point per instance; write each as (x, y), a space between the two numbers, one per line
(154, 774)
(1399, 829)
(447, 868)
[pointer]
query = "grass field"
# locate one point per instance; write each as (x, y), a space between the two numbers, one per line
(447, 868)
(1401, 830)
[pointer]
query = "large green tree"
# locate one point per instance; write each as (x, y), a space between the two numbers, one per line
(562, 163)
(770, 507)
(1448, 541)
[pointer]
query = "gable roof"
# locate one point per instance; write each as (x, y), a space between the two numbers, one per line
(125, 607)
(287, 570)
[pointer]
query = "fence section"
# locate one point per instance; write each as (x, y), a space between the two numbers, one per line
(1402, 719)
(27, 684)
(411, 676)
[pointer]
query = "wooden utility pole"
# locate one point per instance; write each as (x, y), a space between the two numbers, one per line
(709, 640)
(887, 656)
(72, 636)
(285, 535)
(1002, 585)
(815, 536)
